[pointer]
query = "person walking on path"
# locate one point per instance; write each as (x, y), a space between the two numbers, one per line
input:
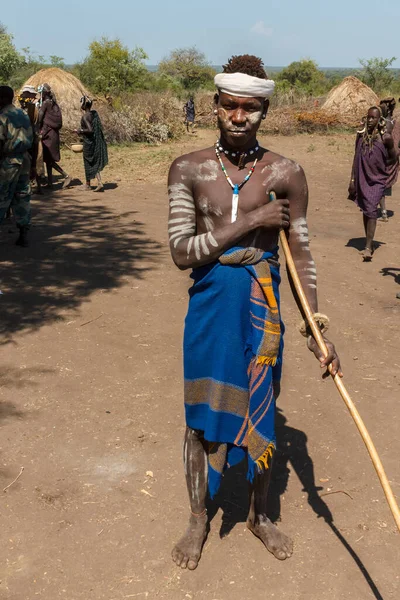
(95, 155)
(190, 114)
(224, 226)
(374, 155)
(16, 139)
(49, 125)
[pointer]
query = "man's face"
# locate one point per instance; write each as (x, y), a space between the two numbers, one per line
(373, 119)
(239, 118)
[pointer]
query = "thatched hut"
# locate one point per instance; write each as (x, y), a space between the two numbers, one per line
(68, 91)
(350, 100)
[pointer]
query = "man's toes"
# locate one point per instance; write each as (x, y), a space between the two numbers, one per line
(192, 564)
(177, 556)
(280, 554)
(184, 562)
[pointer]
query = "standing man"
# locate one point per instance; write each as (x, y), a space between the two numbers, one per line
(190, 114)
(374, 155)
(224, 226)
(16, 140)
(49, 125)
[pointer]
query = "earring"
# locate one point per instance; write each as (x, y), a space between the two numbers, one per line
(215, 111)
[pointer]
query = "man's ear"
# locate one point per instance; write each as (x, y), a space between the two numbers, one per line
(265, 109)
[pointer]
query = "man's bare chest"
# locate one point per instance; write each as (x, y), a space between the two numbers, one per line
(213, 198)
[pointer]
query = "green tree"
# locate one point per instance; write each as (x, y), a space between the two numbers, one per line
(376, 73)
(305, 75)
(57, 61)
(189, 67)
(111, 67)
(30, 64)
(10, 58)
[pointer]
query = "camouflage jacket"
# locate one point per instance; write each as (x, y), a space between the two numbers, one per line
(16, 136)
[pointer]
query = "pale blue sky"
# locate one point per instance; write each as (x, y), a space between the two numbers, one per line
(335, 34)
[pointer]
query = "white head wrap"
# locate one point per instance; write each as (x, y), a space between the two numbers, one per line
(28, 88)
(244, 86)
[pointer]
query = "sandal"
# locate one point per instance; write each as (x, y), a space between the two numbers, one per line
(367, 255)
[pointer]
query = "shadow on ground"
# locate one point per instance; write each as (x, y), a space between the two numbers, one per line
(75, 249)
(392, 272)
(359, 244)
(291, 453)
(19, 378)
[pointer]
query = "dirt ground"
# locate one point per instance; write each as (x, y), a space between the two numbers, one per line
(92, 409)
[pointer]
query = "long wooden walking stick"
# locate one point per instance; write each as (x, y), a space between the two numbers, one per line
(338, 381)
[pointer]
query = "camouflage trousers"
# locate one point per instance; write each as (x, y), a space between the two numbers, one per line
(15, 189)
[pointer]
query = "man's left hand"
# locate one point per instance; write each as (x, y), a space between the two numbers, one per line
(331, 359)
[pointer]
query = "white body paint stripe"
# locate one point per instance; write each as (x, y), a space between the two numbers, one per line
(189, 211)
(187, 227)
(197, 247)
(204, 246)
(180, 220)
(183, 203)
(212, 240)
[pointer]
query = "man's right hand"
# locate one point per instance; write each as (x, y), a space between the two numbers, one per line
(274, 215)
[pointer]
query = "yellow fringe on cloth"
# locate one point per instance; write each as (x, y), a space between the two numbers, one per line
(265, 459)
(266, 360)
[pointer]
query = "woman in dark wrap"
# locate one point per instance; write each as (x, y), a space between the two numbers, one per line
(374, 154)
(95, 156)
(49, 125)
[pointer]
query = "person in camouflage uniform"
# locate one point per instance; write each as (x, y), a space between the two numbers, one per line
(16, 138)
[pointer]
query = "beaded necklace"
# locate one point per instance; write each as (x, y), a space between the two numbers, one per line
(242, 155)
(235, 187)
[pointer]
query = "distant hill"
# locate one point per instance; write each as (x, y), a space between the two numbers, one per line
(330, 71)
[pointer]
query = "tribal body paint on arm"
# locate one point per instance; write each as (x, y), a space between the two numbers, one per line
(190, 249)
(298, 235)
(182, 228)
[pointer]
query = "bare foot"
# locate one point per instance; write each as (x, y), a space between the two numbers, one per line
(187, 551)
(67, 182)
(367, 255)
(274, 540)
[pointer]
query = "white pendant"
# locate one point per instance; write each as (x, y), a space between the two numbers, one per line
(235, 203)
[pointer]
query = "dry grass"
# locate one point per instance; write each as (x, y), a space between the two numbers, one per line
(145, 163)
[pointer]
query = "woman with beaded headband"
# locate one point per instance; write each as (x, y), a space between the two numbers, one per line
(224, 226)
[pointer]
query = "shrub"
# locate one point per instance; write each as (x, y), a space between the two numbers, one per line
(143, 117)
